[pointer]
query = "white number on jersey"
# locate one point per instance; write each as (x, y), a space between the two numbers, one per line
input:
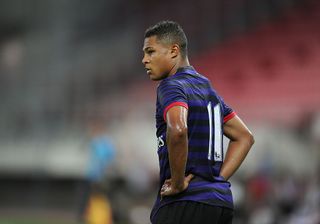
(218, 149)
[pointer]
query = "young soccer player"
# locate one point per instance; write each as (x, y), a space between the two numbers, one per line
(191, 119)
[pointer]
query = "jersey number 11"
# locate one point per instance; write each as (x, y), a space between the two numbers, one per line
(216, 129)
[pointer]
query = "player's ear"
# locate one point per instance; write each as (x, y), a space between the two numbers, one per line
(175, 50)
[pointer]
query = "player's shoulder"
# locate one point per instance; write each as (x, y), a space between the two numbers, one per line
(205, 79)
(202, 77)
(170, 82)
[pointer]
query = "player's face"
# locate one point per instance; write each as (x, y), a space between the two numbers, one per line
(157, 59)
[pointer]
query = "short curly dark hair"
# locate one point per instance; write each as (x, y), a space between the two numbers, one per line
(169, 32)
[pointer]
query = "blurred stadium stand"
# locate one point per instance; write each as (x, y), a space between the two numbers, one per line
(63, 63)
(277, 63)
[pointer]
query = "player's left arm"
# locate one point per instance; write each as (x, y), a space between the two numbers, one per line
(177, 143)
(241, 141)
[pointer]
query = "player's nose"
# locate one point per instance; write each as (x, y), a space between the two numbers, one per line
(144, 60)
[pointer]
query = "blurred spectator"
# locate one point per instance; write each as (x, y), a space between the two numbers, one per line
(95, 207)
(307, 211)
(101, 154)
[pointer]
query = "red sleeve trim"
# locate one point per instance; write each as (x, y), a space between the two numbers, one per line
(183, 104)
(229, 116)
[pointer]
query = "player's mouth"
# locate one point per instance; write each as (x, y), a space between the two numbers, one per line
(148, 71)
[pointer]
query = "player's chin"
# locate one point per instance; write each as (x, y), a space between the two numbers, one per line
(154, 77)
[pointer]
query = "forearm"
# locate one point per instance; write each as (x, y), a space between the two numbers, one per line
(177, 144)
(237, 151)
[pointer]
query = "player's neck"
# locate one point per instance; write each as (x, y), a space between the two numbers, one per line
(184, 63)
(181, 63)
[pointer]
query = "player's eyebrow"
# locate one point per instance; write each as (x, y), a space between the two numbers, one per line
(147, 48)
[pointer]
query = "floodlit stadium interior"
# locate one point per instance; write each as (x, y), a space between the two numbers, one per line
(72, 83)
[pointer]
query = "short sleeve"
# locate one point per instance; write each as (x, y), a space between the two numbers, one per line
(171, 93)
(228, 112)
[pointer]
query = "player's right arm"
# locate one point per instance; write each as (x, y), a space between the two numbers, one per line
(173, 100)
(241, 141)
(177, 143)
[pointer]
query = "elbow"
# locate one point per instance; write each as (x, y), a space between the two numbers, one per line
(250, 139)
(178, 132)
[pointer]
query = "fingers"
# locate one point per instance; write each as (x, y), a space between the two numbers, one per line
(164, 187)
(189, 177)
(168, 181)
(166, 184)
(166, 191)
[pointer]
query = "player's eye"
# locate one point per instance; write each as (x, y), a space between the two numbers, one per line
(150, 52)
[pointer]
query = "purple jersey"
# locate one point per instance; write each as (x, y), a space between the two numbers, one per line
(206, 114)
